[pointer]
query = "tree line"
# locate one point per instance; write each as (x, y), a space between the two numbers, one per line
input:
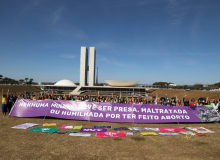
(197, 87)
(6, 80)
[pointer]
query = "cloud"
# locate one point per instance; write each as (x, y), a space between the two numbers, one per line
(111, 61)
(168, 65)
(103, 45)
(191, 62)
(35, 2)
(56, 15)
(196, 25)
(70, 32)
(70, 56)
(124, 3)
(55, 45)
(176, 11)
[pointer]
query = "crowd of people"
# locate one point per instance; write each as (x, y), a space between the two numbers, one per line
(9, 99)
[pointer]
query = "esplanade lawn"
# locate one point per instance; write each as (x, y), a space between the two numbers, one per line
(23, 144)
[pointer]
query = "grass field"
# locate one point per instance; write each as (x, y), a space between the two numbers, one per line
(22, 144)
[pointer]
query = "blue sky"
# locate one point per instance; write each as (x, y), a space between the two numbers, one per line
(146, 40)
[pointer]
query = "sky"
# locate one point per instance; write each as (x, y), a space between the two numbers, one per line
(142, 40)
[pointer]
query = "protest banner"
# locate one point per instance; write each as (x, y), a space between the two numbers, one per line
(113, 112)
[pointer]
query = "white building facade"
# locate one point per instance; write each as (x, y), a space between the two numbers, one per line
(92, 61)
(84, 68)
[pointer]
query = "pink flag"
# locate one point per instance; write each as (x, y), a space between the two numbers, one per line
(110, 134)
(66, 127)
(172, 130)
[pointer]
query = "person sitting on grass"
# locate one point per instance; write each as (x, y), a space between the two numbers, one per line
(4, 103)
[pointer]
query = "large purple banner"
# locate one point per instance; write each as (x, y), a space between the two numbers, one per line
(112, 112)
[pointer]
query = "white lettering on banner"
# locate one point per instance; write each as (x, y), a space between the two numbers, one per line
(130, 109)
(125, 109)
(105, 108)
(89, 106)
(184, 111)
(187, 117)
(143, 110)
(168, 111)
(23, 104)
(79, 114)
(156, 117)
(129, 116)
(112, 115)
(139, 116)
(175, 117)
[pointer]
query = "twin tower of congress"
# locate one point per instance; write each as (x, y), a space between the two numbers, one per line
(84, 67)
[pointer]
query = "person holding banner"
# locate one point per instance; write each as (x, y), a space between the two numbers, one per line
(215, 105)
(192, 104)
(4, 103)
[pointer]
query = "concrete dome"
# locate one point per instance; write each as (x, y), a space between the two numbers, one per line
(121, 83)
(64, 82)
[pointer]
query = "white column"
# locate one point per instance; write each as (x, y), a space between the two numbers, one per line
(83, 66)
(92, 59)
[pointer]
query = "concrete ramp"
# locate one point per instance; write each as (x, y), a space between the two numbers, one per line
(76, 91)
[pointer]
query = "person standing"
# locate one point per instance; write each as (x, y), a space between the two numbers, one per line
(14, 97)
(4, 103)
(10, 103)
(215, 105)
(192, 104)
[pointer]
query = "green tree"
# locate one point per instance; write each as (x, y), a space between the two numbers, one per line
(5, 79)
(185, 87)
(21, 80)
(9, 80)
(26, 79)
(1, 78)
(12, 81)
(16, 82)
(30, 81)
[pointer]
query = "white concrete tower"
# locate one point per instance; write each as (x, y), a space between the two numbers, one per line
(83, 66)
(92, 59)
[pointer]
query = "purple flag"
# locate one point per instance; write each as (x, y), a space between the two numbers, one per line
(93, 130)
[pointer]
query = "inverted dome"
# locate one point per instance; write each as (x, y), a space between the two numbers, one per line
(64, 82)
(121, 83)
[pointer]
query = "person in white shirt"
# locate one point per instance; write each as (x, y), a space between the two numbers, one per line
(215, 105)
